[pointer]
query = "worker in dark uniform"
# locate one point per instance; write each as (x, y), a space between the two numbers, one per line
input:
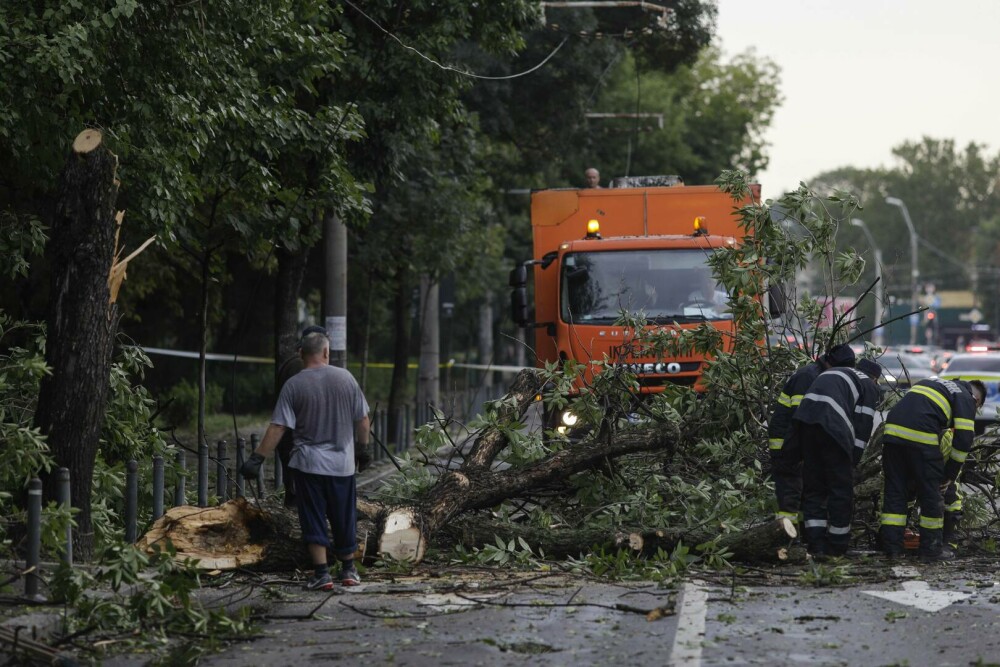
(912, 458)
(833, 424)
(786, 452)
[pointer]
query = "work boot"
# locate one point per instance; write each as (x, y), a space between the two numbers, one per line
(891, 541)
(951, 520)
(931, 548)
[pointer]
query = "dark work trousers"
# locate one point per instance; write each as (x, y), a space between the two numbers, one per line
(786, 471)
(827, 491)
(920, 468)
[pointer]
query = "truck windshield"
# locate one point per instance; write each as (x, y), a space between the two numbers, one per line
(662, 286)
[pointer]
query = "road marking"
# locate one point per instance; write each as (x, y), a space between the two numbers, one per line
(919, 594)
(693, 606)
(905, 572)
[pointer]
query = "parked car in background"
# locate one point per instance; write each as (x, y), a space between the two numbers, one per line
(935, 355)
(982, 366)
(902, 369)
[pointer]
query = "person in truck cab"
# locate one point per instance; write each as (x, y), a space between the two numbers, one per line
(592, 178)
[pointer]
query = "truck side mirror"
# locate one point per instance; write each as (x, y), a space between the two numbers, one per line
(775, 301)
(519, 305)
(518, 276)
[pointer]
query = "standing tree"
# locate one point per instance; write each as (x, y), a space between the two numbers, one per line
(81, 321)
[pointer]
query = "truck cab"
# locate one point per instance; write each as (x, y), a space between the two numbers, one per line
(641, 250)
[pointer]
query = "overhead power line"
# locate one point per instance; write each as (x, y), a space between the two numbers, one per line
(448, 67)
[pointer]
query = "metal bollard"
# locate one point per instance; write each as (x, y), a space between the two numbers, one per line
(220, 470)
(33, 558)
(62, 477)
(254, 444)
(180, 497)
(203, 475)
(131, 501)
(157, 487)
(241, 447)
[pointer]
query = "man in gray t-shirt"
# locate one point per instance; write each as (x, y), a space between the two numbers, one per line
(328, 415)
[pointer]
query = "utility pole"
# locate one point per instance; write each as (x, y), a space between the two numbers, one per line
(914, 270)
(335, 289)
(878, 336)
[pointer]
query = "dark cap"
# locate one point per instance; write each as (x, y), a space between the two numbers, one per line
(839, 355)
(870, 368)
(315, 328)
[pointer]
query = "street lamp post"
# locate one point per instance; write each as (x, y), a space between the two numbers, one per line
(915, 272)
(878, 336)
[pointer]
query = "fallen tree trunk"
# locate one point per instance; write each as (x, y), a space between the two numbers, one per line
(768, 542)
(408, 530)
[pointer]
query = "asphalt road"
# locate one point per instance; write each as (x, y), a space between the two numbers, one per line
(892, 615)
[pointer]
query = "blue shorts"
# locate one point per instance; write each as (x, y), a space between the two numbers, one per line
(323, 498)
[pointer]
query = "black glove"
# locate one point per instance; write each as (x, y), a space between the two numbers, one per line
(362, 457)
(251, 467)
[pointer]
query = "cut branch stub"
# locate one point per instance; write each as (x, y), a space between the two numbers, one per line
(87, 141)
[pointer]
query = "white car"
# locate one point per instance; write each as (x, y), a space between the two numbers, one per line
(982, 366)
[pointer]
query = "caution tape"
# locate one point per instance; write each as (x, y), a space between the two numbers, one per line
(215, 356)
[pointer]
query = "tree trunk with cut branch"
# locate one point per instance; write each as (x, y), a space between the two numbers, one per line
(81, 322)
(408, 530)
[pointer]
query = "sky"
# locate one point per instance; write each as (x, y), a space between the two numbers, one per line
(859, 77)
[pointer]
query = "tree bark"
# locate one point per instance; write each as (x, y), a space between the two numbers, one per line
(769, 542)
(288, 284)
(429, 365)
(490, 443)
(81, 322)
(400, 357)
(408, 530)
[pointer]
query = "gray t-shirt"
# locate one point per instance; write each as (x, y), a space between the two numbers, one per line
(320, 405)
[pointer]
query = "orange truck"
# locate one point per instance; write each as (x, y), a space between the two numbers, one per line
(636, 248)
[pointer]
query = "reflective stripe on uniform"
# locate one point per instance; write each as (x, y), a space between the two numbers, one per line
(775, 443)
(860, 444)
(785, 400)
(935, 396)
(912, 435)
(893, 519)
(965, 424)
(819, 398)
(786, 515)
(839, 530)
(954, 507)
(850, 383)
(865, 411)
(816, 523)
(958, 455)
(931, 523)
